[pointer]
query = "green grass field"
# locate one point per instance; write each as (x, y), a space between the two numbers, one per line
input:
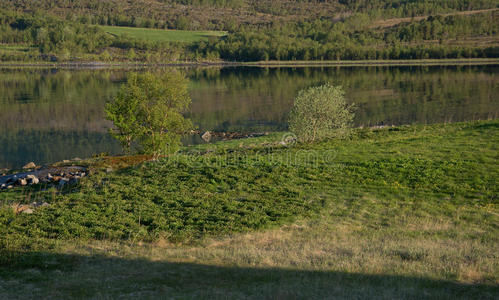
(161, 35)
(14, 47)
(403, 212)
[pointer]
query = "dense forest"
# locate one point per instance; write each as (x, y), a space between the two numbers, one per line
(66, 30)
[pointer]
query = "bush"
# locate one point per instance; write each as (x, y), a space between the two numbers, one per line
(148, 112)
(319, 113)
(106, 56)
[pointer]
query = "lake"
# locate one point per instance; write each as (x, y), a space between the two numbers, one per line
(48, 115)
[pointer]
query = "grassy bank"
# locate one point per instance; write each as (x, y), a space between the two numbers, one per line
(404, 212)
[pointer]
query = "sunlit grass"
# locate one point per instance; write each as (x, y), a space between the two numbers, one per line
(163, 35)
(15, 47)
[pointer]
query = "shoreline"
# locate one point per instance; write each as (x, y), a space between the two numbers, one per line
(102, 65)
(222, 138)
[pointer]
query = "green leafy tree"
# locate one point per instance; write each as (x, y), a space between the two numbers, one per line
(123, 112)
(148, 112)
(319, 113)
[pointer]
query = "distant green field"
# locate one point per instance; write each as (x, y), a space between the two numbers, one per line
(13, 47)
(163, 34)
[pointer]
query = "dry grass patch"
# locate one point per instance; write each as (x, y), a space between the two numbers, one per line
(312, 259)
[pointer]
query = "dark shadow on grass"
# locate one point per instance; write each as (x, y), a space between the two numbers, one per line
(51, 275)
(484, 126)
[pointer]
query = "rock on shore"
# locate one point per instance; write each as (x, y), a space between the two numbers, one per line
(58, 177)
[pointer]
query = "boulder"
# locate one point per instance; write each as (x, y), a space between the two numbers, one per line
(27, 211)
(206, 136)
(39, 204)
(19, 208)
(32, 179)
(30, 165)
(22, 181)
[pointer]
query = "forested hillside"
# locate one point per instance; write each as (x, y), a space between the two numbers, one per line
(355, 39)
(250, 30)
(230, 14)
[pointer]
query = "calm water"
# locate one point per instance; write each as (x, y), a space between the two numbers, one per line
(47, 115)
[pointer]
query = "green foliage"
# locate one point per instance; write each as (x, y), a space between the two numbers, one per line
(50, 34)
(105, 56)
(148, 111)
(131, 54)
(123, 112)
(319, 113)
